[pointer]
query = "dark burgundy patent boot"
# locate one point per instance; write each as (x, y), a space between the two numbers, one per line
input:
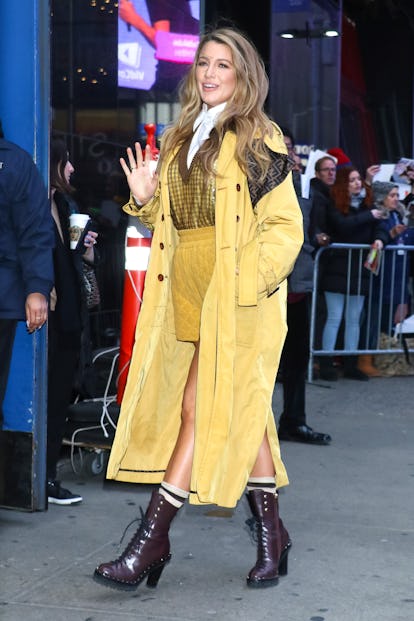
(273, 541)
(146, 554)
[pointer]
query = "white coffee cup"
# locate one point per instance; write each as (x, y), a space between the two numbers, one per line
(77, 222)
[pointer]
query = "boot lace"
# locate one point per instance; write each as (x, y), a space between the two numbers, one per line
(143, 525)
(252, 527)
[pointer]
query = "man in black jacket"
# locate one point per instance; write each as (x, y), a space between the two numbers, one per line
(320, 194)
(320, 187)
(295, 354)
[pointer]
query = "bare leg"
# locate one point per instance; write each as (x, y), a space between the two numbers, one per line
(178, 471)
(264, 466)
(149, 549)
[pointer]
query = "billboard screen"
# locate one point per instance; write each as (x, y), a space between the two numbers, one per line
(157, 40)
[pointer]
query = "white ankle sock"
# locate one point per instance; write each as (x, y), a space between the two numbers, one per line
(174, 495)
(267, 484)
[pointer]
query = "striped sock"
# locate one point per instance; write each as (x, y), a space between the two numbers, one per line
(174, 495)
(267, 484)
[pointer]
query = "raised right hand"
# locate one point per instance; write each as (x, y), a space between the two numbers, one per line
(141, 178)
(371, 172)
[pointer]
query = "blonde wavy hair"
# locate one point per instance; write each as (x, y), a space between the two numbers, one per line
(243, 114)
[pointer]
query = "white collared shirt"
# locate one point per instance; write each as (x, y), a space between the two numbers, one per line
(202, 127)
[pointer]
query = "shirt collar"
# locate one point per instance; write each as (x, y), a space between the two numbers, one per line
(209, 115)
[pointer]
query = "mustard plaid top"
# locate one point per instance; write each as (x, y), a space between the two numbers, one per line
(192, 203)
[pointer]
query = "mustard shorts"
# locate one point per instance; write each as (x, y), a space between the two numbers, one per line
(193, 265)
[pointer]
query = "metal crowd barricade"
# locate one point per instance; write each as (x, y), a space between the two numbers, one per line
(375, 313)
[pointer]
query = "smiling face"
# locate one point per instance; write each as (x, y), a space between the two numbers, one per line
(354, 182)
(215, 74)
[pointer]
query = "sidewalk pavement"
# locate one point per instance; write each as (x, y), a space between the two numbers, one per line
(349, 509)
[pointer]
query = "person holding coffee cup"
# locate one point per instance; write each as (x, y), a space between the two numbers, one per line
(68, 319)
(77, 223)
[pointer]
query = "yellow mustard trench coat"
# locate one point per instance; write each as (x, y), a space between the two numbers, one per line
(243, 327)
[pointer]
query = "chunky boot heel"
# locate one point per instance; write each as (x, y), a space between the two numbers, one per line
(155, 575)
(146, 554)
(273, 541)
(283, 563)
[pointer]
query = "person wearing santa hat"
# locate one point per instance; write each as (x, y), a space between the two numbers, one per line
(341, 158)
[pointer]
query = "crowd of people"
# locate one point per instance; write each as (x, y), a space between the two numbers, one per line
(354, 306)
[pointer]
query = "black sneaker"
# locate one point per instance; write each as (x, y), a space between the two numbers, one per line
(58, 495)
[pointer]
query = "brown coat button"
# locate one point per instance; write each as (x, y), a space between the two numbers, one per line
(162, 246)
(237, 218)
(162, 217)
(238, 187)
(160, 277)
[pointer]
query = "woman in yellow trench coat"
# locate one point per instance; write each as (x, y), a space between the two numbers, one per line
(196, 415)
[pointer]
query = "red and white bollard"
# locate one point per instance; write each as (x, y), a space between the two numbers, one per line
(137, 250)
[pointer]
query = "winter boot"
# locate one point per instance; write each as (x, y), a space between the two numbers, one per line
(366, 365)
(146, 554)
(273, 541)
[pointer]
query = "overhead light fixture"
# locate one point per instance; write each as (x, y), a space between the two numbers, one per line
(308, 33)
(294, 33)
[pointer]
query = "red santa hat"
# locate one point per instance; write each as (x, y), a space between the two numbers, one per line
(341, 158)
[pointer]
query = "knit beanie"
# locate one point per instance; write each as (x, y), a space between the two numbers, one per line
(341, 158)
(381, 189)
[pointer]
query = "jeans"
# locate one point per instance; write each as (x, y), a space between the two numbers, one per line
(335, 303)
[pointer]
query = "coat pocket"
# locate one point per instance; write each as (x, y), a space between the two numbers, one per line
(246, 325)
(158, 316)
